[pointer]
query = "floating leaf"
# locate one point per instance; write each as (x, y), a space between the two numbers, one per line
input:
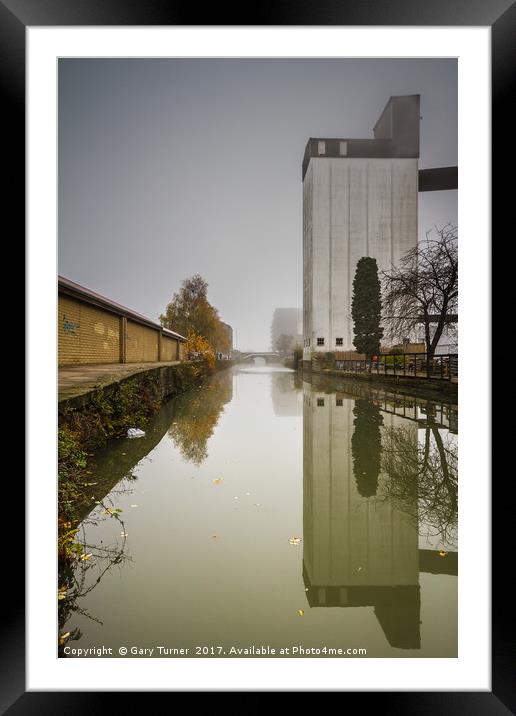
(64, 637)
(294, 540)
(218, 480)
(301, 612)
(442, 553)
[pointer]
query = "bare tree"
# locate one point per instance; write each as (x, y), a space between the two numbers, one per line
(423, 288)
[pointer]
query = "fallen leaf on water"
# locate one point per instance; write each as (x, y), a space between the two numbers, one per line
(218, 480)
(442, 553)
(64, 637)
(294, 540)
(301, 612)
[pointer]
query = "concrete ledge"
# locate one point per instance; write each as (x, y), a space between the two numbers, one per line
(79, 383)
(79, 380)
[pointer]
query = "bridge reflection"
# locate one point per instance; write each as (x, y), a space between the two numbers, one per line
(361, 533)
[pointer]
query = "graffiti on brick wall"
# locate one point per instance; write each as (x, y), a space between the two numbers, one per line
(69, 327)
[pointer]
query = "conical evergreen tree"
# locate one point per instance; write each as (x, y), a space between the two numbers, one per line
(366, 307)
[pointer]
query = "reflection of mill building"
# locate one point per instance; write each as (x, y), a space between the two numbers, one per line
(358, 550)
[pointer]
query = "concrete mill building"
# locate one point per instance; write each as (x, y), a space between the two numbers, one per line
(360, 198)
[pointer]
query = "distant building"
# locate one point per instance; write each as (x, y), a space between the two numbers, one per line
(360, 198)
(289, 322)
(229, 334)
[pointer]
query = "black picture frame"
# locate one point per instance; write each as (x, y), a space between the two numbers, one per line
(15, 17)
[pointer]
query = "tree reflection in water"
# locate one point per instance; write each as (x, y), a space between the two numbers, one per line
(366, 446)
(423, 476)
(196, 416)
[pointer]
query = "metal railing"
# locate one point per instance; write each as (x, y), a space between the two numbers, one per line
(406, 365)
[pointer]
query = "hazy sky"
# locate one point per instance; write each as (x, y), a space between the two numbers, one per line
(173, 167)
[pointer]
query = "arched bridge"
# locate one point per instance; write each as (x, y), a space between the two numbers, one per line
(269, 356)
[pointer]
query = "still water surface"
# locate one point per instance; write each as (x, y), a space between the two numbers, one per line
(260, 509)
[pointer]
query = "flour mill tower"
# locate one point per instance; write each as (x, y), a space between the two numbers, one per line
(360, 198)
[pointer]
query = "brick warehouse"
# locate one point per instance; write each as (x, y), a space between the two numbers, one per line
(94, 329)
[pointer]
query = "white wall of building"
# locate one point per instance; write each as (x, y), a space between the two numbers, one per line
(352, 207)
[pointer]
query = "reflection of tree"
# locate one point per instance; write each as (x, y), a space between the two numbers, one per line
(197, 413)
(81, 570)
(366, 446)
(425, 475)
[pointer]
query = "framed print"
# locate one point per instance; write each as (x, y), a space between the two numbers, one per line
(243, 438)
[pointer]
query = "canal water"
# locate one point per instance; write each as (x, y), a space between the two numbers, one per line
(262, 510)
